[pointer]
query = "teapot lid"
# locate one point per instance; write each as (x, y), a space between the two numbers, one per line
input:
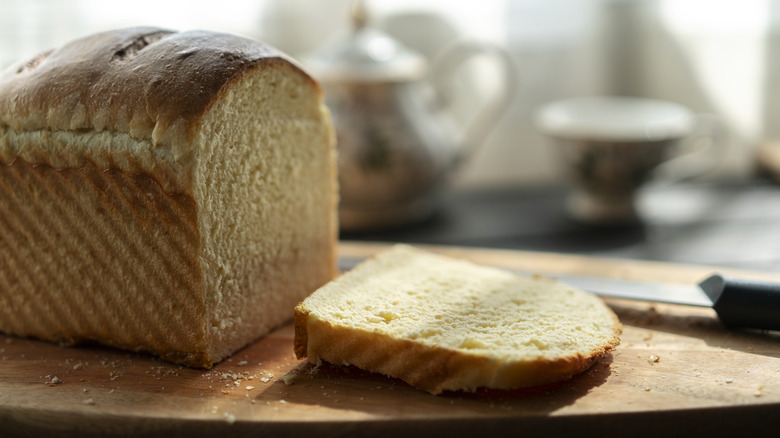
(366, 55)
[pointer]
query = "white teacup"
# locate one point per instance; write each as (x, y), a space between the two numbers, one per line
(613, 145)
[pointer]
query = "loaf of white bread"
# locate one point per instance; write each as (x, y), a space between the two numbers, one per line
(441, 323)
(167, 192)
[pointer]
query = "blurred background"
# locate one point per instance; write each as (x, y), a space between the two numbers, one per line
(720, 57)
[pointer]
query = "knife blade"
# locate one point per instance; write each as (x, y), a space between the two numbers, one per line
(738, 302)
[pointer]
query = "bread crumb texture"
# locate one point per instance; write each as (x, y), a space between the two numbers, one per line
(443, 323)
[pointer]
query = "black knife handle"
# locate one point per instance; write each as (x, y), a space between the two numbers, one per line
(744, 303)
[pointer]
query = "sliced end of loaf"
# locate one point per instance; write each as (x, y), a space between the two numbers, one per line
(266, 187)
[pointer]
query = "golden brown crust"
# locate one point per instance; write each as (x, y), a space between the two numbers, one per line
(132, 289)
(300, 340)
(433, 369)
(151, 83)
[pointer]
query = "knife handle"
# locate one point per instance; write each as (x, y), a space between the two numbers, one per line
(746, 303)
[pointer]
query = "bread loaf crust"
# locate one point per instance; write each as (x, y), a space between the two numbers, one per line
(176, 191)
(75, 280)
(151, 83)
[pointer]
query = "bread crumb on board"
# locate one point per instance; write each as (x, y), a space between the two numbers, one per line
(53, 380)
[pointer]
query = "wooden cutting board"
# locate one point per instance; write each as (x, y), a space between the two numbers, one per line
(676, 372)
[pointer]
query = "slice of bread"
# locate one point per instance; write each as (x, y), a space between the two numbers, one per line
(162, 191)
(440, 323)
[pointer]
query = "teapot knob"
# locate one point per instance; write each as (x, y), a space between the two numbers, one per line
(365, 55)
(359, 15)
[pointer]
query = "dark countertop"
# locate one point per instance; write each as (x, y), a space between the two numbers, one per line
(730, 224)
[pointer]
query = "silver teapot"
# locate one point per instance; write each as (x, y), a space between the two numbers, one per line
(395, 139)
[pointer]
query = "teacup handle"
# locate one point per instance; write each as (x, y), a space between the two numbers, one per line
(443, 69)
(699, 152)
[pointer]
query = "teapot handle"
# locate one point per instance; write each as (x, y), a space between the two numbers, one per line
(448, 61)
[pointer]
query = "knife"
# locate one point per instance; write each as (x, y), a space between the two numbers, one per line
(738, 302)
